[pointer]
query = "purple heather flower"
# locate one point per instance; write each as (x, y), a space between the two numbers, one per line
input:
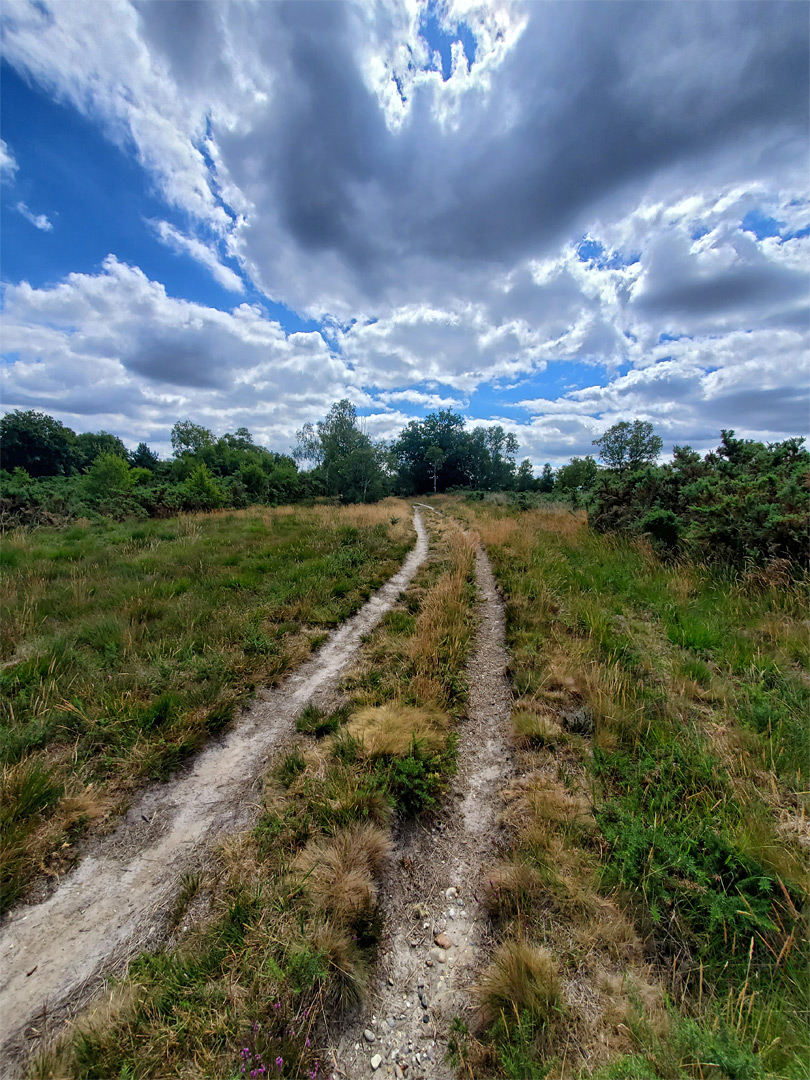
(279, 1062)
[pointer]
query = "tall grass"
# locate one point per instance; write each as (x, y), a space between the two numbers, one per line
(669, 702)
(124, 646)
(292, 919)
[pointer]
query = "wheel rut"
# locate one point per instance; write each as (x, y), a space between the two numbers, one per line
(55, 954)
(431, 884)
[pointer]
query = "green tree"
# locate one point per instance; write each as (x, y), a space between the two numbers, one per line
(144, 458)
(201, 490)
(36, 442)
(346, 461)
(578, 475)
(190, 438)
(435, 457)
(546, 481)
(89, 445)
(629, 446)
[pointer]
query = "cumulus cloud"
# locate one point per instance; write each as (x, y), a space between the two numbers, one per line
(39, 221)
(574, 192)
(114, 345)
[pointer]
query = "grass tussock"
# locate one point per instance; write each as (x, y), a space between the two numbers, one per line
(521, 979)
(340, 871)
(126, 645)
(653, 842)
(391, 730)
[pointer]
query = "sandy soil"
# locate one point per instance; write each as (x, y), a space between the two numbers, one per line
(55, 954)
(430, 888)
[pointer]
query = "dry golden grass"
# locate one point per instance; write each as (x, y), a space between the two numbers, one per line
(441, 631)
(520, 978)
(339, 871)
(391, 729)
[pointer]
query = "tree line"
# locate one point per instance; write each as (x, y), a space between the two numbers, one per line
(746, 500)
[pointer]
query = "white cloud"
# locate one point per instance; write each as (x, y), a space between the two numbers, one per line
(8, 163)
(201, 253)
(39, 221)
(434, 225)
(113, 349)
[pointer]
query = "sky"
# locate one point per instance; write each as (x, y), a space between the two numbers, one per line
(550, 216)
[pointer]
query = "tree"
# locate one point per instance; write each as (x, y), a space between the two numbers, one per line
(190, 438)
(89, 445)
(144, 458)
(109, 477)
(578, 475)
(546, 481)
(627, 445)
(345, 459)
(37, 443)
(435, 457)
(524, 479)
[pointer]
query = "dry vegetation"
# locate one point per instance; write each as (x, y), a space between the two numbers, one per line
(657, 859)
(287, 925)
(124, 646)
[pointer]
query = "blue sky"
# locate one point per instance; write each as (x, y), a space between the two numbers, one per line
(241, 213)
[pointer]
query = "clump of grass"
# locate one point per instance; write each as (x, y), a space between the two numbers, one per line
(340, 870)
(392, 729)
(536, 729)
(521, 979)
(314, 721)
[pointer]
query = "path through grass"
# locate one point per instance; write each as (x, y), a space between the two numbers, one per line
(125, 645)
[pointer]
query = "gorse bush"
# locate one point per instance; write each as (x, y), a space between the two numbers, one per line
(745, 502)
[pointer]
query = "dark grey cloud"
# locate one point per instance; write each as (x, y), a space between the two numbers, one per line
(594, 100)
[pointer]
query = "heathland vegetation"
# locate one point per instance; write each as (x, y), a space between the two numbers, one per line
(124, 645)
(651, 902)
(648, 898)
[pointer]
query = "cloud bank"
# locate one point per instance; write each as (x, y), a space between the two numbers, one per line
(609, 194)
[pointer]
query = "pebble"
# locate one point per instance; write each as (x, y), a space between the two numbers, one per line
(429, 962)
(390, 1021)
(369, 1035)
(398, 1073)
(376, 1061)
(451, 893)
(438, 955)
(426, 1019)
(443, 941)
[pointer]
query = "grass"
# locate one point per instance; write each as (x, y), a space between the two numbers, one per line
(661, 723)
(293, 919)
(124, 646)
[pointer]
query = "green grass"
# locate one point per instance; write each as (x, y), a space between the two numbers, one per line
(696, 686)
(294, 921)
(124, 646)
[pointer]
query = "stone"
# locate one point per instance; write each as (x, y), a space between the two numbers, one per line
(390, 1021)
(451, 893)
(398, 1073)
(426, 1019)
(439, 955)
(376, 1061)
(369, 1035)
(429, 962)
(443, 941)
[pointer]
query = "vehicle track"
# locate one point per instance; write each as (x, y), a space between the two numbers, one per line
(56, 954)
(430, 886)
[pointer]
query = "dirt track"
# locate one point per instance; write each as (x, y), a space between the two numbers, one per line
(55, 954)
(431, 886)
